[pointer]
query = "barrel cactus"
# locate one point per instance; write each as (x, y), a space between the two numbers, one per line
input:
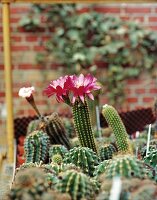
(101, 168)
(33, 125)
(113, 119)
(84, 158)
(54, 127)
(36, 146)
(30, 183)
(126, 166)
(57, 149)
(77, 184)
(107, 151)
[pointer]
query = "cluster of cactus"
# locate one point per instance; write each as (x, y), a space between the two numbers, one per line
(82, 124)
(83, 157)
(36, 146)
(107, 151)
(77, 184)
(29, 184)
(55, 129)
(133, 188)
(113, 119)
(125, 166)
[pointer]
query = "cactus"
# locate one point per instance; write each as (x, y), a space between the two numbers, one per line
(54, 127)
(126, 166)
(82, 124)
(57, 149)
(151, 158)
(132, 189)
(36, 146)
(101, 167)
(113, 119)
(33, 126)
(106, 151)
(31, 183)
(77, 184)
(57, 158)
(84, 158)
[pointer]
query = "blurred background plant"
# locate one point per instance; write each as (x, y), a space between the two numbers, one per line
(86, 41)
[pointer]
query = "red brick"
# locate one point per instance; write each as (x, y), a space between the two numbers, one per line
(107, 9)
(39, 48)
(16, 38)
(138, 10)
(134, 82)
(20, 48)
(140, 91)
(1, 67)
(31, 38)
(148, 99)
(83, 10)
(2, 94)
(153, 90)
(29, 66)
(132, 100)
(14, 19)
(153, 19)
(19, 10)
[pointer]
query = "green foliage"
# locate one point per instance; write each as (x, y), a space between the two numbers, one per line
(36, 147)
(77, 184)
(84, 158)
(85, 40)
(113, 119)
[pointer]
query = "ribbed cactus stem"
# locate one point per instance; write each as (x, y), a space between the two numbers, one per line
(113, 119)
(83, 126)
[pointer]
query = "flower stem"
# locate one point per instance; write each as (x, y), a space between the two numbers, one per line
(83, 126)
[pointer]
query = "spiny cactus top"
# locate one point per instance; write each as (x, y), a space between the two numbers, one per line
(113, 119)
(107, 151)
(151, 158)
(36, 146)
(57, 149)
(77, 184)
(84, 158)
(73, 90)
(126, 166)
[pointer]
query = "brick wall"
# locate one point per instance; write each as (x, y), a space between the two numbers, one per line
(140, 93)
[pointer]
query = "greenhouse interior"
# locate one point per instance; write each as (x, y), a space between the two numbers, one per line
(78, 100)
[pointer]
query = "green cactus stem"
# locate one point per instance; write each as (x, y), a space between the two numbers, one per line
(84, 158)
(83, 126)
(36, 147)
(54, 127)
(113, 119)
(77, 184)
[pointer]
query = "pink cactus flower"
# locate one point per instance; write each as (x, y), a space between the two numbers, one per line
(72, 88)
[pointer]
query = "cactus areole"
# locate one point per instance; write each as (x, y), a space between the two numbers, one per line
(74, 90)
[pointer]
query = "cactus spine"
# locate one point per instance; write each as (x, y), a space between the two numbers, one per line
(36, 146)
(84, 158)
(54, 127)
(113, 119)
(77, 184)
(83, 126)
(57, 149)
